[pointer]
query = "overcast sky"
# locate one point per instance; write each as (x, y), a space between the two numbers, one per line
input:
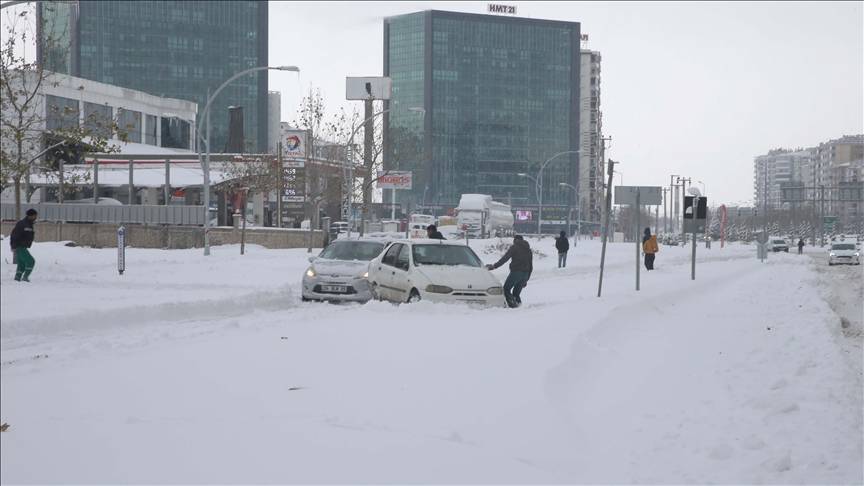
(696, 89)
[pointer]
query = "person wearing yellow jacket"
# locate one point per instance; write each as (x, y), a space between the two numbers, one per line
(649, 248)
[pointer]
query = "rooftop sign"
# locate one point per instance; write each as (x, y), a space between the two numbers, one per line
(502, 9)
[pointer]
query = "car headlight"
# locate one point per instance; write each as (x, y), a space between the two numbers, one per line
(494, 291)
(438, 289)
(857, 254)
(310, 272)
(832, 254)
(366, 275)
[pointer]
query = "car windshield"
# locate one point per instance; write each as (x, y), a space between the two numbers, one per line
(779, 242)
(352, 250)
(445, 255)
(843, 246)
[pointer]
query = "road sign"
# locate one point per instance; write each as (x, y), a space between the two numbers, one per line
(648, 195)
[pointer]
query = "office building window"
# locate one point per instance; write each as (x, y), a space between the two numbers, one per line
(98, 119)
(175, 133)
(150, 130)
(129, 123)
(60, 113)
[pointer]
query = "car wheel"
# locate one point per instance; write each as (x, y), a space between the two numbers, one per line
(305, 299)
(414, 297)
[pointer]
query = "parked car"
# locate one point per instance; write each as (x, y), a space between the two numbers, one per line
(339, 273)
(435, 270)
(844, 253)
(776, 244)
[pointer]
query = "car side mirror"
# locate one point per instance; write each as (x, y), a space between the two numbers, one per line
(311, 259)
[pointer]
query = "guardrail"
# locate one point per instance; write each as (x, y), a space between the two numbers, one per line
(94, 213)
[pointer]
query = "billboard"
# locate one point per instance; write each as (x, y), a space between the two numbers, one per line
(395, 180)
(523, 216)
(293, 143)
(365, 88)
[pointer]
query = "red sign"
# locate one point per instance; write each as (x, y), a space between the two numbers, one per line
(395, 180)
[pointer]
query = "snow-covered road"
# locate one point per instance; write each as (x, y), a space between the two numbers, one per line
(193, 369)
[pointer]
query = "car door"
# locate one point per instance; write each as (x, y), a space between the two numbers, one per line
(401, 282)
(385, 271)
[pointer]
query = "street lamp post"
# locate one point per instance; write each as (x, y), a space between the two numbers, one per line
(578, 213)
(539, 183)
(205, 164)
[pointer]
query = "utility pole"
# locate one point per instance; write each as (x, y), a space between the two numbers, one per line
(673, 213)
(822, 214)
(611, 171)
(368, 140)
(665, 218)
(280, 189)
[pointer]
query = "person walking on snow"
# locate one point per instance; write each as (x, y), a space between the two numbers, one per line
(20, 240)
(649, 248)
(800, 246)
(433, 234)
(562, 244)
(521, 266)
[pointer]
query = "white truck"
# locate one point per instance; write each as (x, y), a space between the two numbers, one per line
(481, 217)
(417, 223)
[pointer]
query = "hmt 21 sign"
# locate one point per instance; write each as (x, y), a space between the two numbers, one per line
(503, 9)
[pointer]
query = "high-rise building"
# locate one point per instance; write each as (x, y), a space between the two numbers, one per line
(501, 96)
(591, 123)
(274, 120)
(830, 175)
(175, 49)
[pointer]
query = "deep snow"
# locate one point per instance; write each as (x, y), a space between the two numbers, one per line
(209, 369)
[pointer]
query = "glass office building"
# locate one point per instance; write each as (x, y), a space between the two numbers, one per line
(501, 96)
(176, 49)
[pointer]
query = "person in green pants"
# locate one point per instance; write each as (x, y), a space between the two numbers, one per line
(20, 240)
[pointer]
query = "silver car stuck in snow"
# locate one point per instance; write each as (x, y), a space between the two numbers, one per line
(339, 273)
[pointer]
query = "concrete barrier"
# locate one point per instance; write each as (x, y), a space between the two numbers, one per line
(104, 235)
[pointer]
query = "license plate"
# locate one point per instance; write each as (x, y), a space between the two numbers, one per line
(336, 289)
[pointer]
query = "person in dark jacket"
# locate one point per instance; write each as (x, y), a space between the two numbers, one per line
(562, 244)
(521, 266)
(433, 234)
(800, 246)
(20, 240)
(649, 248)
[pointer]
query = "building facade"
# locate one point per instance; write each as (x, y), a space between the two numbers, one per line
(830, 177)
(591, 164)
(274, 120)
(501, 95)
(174, 49)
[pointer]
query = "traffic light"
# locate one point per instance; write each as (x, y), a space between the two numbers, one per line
(701, 210)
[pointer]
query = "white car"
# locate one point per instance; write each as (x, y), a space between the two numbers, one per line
(339, 273)
(778, 244)
(434, 270)
(844, 253)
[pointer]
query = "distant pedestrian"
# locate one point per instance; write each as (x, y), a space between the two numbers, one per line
(800, 246)
(521, 266)
(650, 248)
(562, 244)
(20, 240)
(433, 234)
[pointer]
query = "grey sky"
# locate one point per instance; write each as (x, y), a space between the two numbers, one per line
(697, 89)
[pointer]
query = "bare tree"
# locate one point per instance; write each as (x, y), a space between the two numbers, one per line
(24, 132)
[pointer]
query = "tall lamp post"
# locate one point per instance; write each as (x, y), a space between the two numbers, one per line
(539, 184)
(578, 212)
(205, 164)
